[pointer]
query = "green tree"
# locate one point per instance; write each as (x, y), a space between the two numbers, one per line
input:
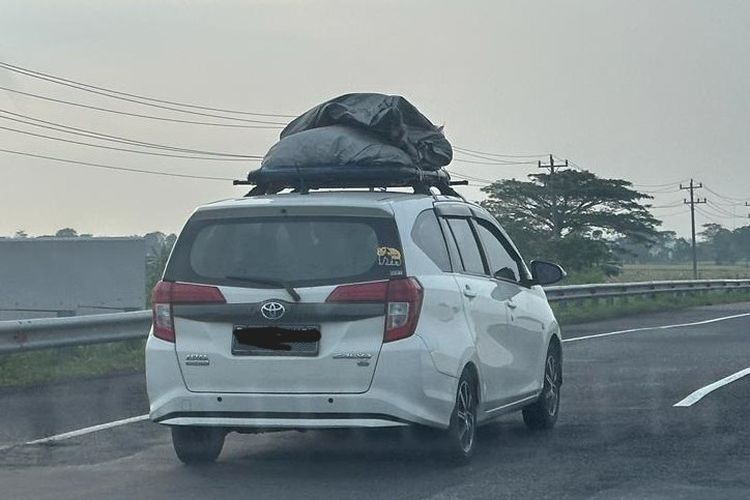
(720, 243)
(571, 216)
(156, 259)
(66, 232)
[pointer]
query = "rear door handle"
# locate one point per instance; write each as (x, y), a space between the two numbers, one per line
(511, 305)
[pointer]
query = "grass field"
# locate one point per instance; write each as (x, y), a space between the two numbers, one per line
(660, 272)
(656, 272)
(28, 368)
(591, 310)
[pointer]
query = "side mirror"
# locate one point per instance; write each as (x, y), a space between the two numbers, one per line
(546, 273)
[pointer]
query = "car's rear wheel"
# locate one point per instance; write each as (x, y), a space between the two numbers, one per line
(462, 433)
(197, 445)
(543, 413)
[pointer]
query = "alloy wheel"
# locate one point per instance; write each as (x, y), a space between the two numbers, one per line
(551, 384)
(465, 413)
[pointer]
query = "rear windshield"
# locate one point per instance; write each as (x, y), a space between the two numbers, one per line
(299, 251)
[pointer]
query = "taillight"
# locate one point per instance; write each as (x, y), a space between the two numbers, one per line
(375, 291)
(402, 298)
(403, 307)
(166, 294)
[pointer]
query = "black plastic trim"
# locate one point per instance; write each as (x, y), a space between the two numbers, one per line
(280, 415)
(296, 313)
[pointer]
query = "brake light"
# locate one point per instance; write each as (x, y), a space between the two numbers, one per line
(402, 298)
(166, 294)
(375, 291)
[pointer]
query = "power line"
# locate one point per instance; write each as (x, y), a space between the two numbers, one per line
(501, 155)
(721, 209)
(713, 216)
(126, 96)
(266, 125)
(671, 214)
(138, 99)
(729, 198)
(112, 167)
(726, 203)
(477, 162)
(469, 177)
(673, 205)
(111, 138)
(495, 161)
(659, 185)
(81, 143)
(662, 191)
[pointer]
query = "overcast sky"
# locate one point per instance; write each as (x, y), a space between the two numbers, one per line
(653, 91)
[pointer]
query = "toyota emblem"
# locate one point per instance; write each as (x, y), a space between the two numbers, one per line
(272, 310)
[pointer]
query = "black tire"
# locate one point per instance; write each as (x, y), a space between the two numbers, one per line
(543, 413)
(461, 436)
(197, 445)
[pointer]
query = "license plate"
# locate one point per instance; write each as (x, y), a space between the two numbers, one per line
(275, 340)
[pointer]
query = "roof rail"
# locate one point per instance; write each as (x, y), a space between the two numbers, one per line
(302, 180)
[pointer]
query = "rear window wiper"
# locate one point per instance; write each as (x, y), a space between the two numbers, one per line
(267, 281)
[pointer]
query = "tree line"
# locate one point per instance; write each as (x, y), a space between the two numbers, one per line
(584, 222)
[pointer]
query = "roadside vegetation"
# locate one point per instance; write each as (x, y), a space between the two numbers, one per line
(587, 311)
(66, 363)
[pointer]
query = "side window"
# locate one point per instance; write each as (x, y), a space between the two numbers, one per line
(452, 248)
(467, 245)
(501, 262)
(427, 235)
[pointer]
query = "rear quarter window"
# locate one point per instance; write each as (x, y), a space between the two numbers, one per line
(428, 236)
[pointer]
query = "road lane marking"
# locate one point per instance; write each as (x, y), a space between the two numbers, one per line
(663, 327)
(141, 418)
(88, 430)
(696, 396)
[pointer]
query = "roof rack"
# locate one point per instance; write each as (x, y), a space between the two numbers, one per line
(304, 179)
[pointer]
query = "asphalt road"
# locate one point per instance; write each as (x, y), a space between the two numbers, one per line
(618, 436)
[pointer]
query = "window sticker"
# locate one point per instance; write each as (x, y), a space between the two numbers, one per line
(389, 256)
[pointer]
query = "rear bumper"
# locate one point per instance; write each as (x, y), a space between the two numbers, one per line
(406, 389)
(266, 420)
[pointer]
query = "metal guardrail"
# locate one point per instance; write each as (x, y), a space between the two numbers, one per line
(33, 334)
(612, 290)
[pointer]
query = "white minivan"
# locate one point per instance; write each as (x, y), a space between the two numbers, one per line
(349, 309)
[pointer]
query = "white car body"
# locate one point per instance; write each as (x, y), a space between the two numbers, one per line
(498, 328)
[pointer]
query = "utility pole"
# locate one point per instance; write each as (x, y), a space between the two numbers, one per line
(693, 202)
(552, 167)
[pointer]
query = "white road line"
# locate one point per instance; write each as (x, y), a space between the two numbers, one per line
(140, 418)
(88, 430)
(663, 327)
(698, 395)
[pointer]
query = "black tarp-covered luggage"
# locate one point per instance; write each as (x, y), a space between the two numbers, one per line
(357, 139)
(357, 136)
(389, 119)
